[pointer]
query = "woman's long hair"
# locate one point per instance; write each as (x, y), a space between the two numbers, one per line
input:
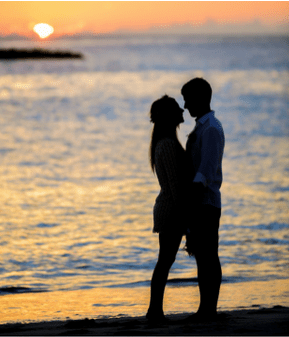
(162, 115)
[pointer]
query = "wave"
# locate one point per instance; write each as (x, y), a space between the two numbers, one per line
(181, 282)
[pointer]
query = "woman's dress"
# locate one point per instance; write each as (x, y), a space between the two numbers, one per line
(171, 169)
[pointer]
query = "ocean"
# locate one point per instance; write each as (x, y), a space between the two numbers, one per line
(77, 191)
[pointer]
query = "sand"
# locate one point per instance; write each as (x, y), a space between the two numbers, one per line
(261, 322)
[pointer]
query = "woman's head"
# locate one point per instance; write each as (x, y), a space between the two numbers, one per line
(166, 112)
(166, 115)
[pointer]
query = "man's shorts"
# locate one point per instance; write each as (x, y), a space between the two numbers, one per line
(204, 230)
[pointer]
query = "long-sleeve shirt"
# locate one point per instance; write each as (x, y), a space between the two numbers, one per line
(205, 148)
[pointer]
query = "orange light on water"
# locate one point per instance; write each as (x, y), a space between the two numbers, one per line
(111, 302)
(43, 30)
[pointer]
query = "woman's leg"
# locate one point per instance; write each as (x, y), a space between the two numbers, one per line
(169, 246)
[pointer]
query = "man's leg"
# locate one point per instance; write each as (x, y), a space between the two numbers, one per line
(209, 278)
(208, 263)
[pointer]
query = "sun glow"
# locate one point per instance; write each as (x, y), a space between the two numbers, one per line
(43, 30)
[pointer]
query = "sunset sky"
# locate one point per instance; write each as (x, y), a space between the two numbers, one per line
(67, 17)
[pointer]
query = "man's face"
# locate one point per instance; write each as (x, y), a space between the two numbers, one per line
(192, 104)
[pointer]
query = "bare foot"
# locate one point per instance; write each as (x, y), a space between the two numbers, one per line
(156, 318)
(199, 317)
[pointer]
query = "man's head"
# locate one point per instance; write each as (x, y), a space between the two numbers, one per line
(197, 95)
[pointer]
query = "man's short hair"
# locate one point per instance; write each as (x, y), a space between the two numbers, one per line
(198, 87)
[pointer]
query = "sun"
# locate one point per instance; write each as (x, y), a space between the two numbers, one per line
(43, 30)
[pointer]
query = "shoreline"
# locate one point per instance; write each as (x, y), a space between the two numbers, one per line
(104, 303)
(262, 321)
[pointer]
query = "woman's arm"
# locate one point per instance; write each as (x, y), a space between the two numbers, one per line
(169, 159)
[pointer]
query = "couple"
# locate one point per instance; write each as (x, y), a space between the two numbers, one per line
(189, 202)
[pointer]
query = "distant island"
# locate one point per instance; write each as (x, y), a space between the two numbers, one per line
(16, 54)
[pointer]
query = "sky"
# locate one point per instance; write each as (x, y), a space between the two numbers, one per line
(101, 17)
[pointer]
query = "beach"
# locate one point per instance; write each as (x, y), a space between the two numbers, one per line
(244, 309)
(253, 322)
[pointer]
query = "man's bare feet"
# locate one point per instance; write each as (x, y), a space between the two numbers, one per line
(156, 318)
(200, 317)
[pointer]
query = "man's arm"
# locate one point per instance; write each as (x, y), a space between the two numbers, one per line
(211, 152)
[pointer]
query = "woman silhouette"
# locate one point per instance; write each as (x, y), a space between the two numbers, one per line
(168, 160)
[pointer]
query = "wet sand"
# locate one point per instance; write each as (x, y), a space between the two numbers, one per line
(260, 322)
(248, 308)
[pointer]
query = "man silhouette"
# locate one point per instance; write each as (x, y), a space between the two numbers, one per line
(204, 148)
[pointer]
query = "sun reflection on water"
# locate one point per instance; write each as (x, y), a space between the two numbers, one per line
(77, 191)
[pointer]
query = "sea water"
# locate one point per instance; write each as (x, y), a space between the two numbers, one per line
(77, 191)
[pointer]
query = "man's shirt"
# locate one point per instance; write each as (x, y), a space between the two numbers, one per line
(205, 148)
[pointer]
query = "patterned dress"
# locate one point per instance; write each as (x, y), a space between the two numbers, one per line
(171, 170)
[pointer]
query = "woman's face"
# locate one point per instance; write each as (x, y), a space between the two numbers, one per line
(178, 113)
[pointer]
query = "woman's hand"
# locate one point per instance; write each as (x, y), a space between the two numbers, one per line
(197, 193)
